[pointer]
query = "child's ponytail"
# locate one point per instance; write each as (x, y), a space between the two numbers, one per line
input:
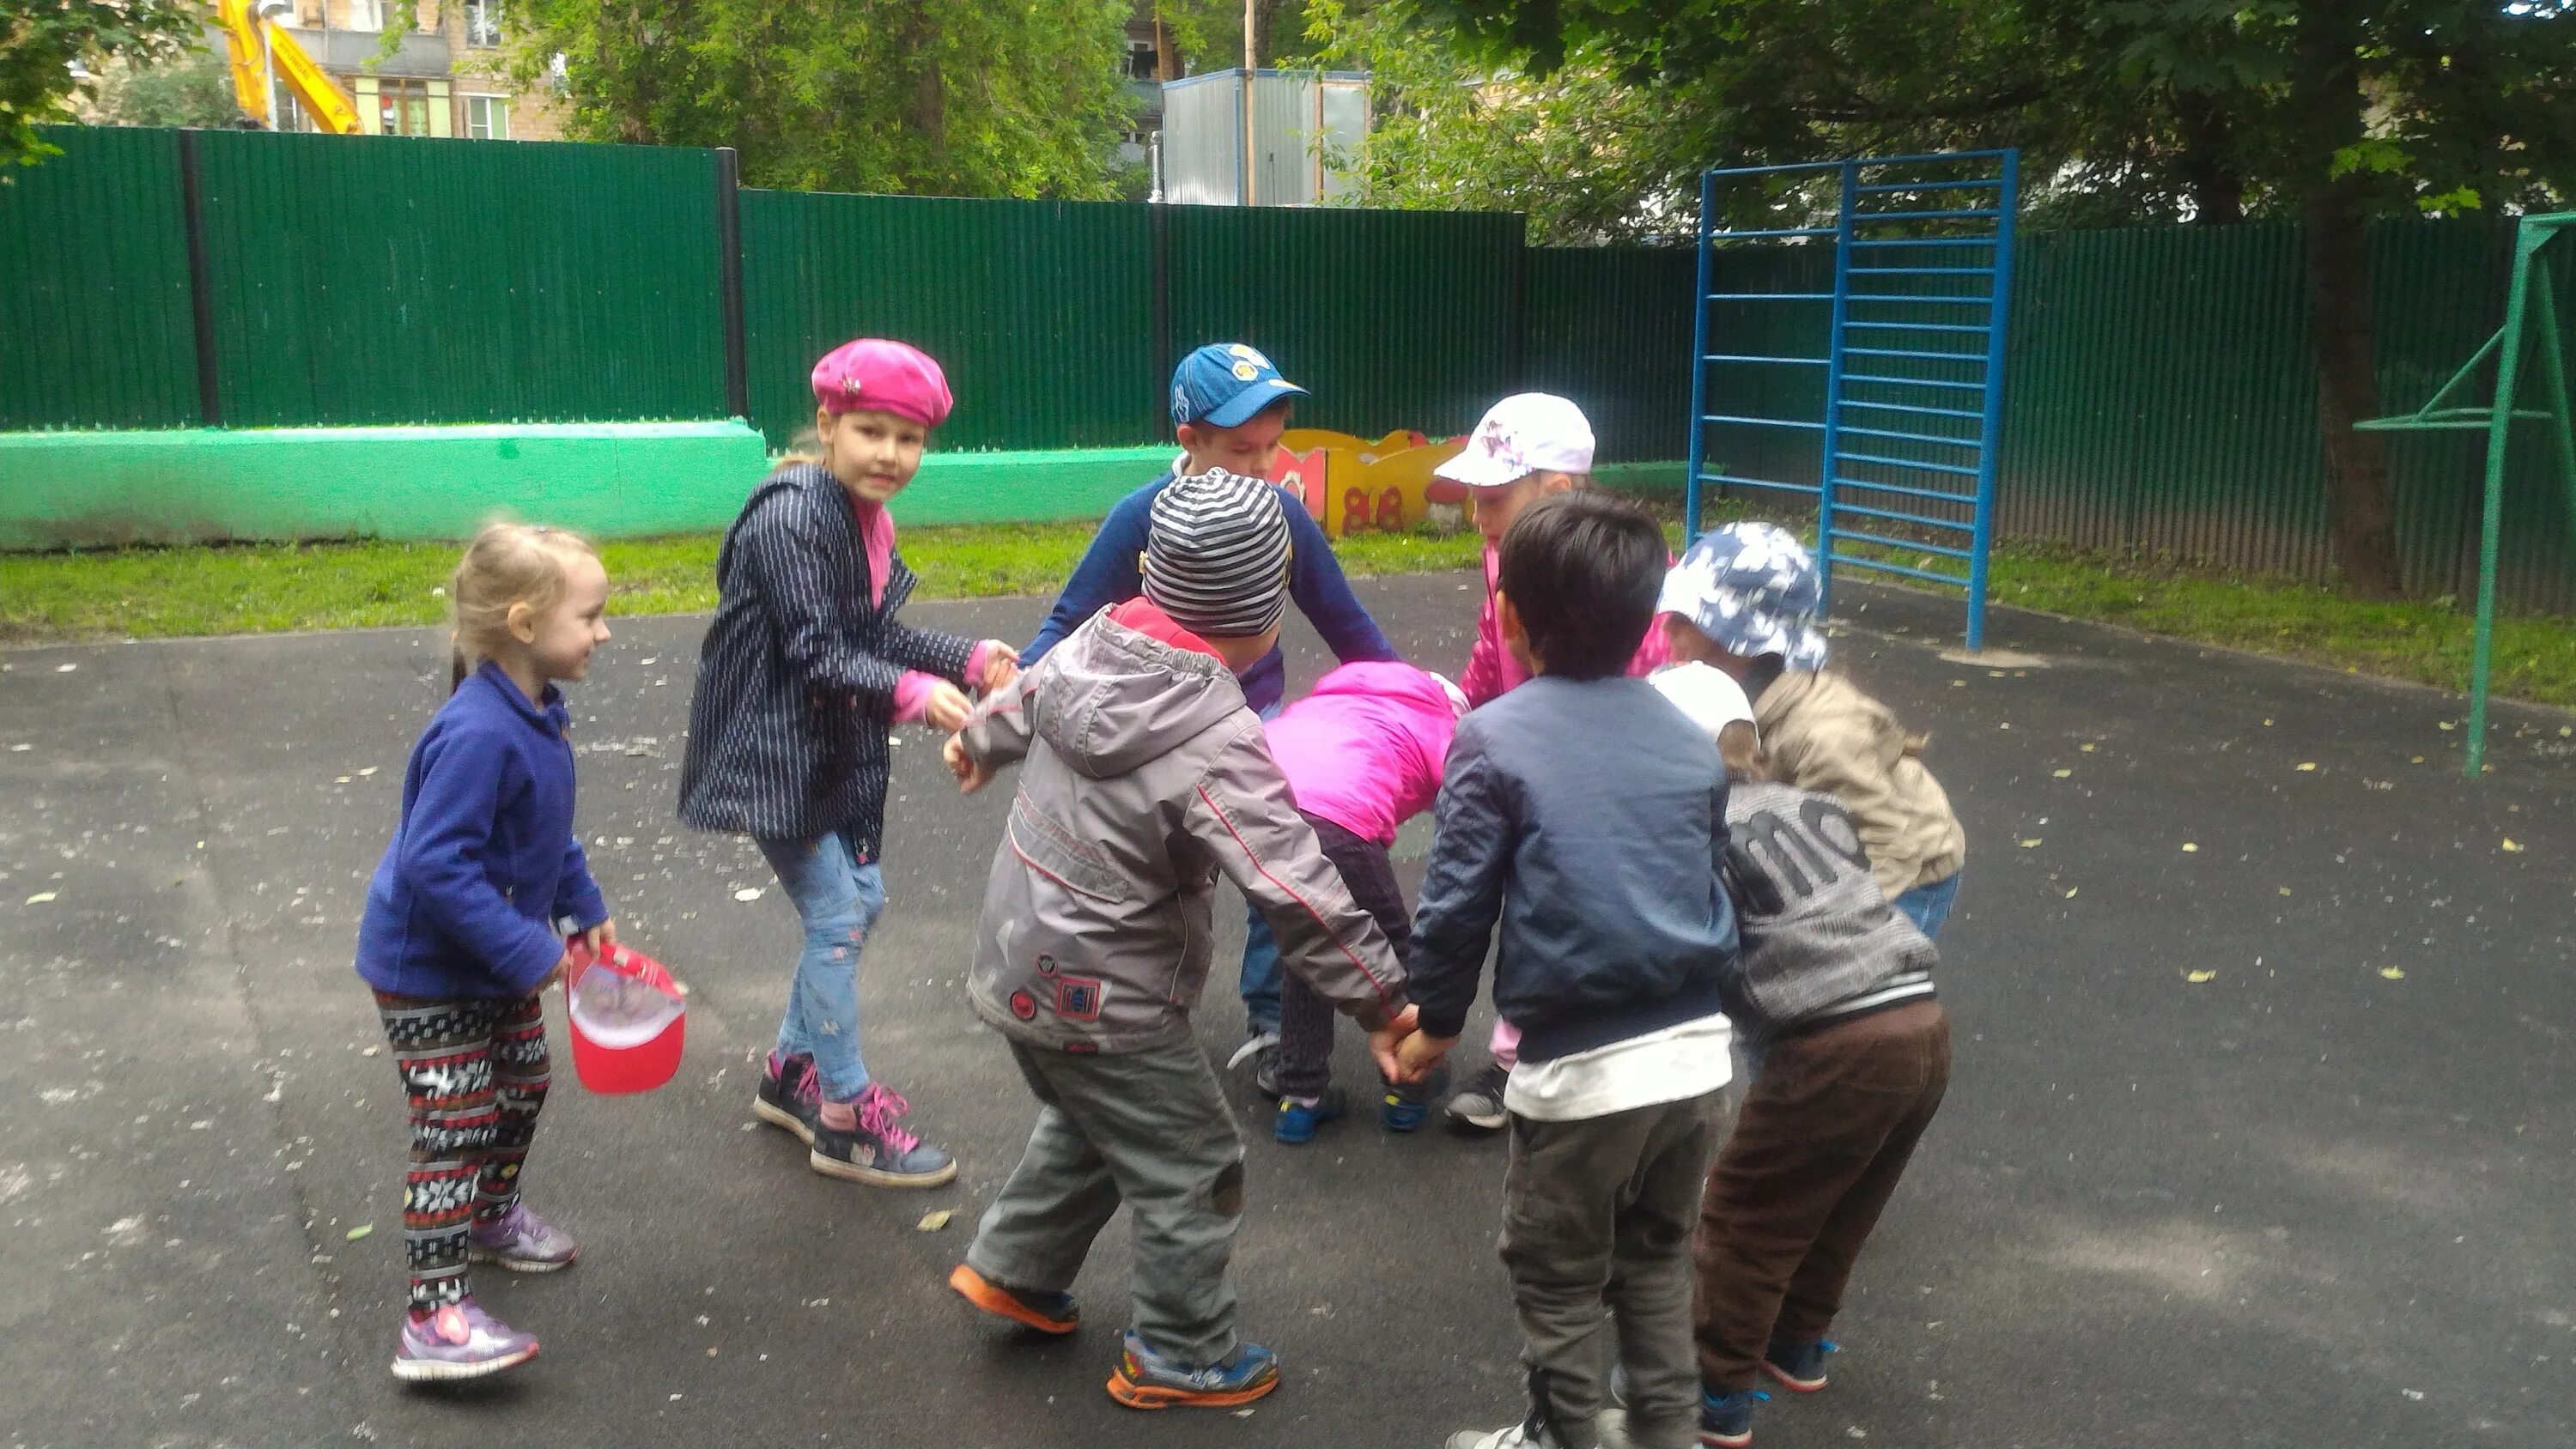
(506, 565)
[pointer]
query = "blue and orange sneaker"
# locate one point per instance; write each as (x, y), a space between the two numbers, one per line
(1145, 1379)
(1800, 1367)
(1046, 1312)
(1297, 1119)
(1726, 1420)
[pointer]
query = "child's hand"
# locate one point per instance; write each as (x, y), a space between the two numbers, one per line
(972, 774)
(563, 969)
(1419, 1054)
(945, 707)
(1001, 666)
(600, 938)
(1384, 1040)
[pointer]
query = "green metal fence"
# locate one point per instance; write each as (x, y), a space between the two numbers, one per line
(94, 302)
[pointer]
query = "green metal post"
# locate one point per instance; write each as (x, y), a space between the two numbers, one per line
(2553, 371)
(2527, 241)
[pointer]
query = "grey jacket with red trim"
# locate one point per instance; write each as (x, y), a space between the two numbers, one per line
(1145, 776)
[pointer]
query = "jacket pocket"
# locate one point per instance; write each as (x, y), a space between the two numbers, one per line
(1052, 852)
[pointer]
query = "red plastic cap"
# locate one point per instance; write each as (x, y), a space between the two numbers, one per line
(629, 1025)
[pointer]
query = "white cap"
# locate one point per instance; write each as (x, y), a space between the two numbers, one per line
(1523, 434)
(1706, 694)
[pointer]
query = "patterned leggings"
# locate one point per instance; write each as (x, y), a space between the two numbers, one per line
(474, 1073)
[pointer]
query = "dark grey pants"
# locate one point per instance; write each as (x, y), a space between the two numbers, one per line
(1147, 1128)
(1597, 1221)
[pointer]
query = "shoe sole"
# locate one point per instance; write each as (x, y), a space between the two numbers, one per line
(517, 1265)
(1712, 1440)
(1481, 1122)
(878, 1176)
(1795, 1386)
(1410, 1120)
(1153, 1396)
(433, 1371)
(781, 1117)
(975, 1288)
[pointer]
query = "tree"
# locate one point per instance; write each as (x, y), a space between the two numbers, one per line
(939, 97)
(2327, 111)
(194, 90)
(42, 41)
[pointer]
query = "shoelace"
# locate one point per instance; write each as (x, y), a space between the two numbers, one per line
(808, 1086)
(878, 1109)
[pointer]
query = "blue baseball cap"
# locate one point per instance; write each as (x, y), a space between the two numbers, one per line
(1754, 590)
(1224, 383)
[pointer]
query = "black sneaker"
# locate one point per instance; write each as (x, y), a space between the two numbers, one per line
(788, 1095)
(1261, 1049)
(1479, 1104)
(876, 1150)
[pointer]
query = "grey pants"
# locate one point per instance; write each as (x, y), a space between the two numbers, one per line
(1150, 1129)
(1597, 1219)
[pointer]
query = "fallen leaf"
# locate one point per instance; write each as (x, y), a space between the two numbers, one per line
(2285, 890)
(65, 668)
(2198, 977)
(40, 897)
(370, 1051)
(2307, 765)
(2267, 724)
(2088, 749)
(933, 1220)
(747, 893)
(360, 1231)
(2441, 724)
(343, 780)
(2031, 844)
(2392, 973)
(2070, 892)
(2511, 845)
(22, 749)
(2061, 774)
(2188, 848)
(371, 769)
(2417, 760)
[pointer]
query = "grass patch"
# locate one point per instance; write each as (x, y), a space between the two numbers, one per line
(266, 588)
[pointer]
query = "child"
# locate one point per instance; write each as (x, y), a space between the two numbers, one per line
(1835, 990)
(1229, 406)
(464, 927)
(1590, 818)
(1744, 599)
(1529, 446)
(1362, 754)
(1146, 776)
(801, 673)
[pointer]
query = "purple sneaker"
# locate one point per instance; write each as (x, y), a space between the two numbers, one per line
(520, 1241)
(459, 1341)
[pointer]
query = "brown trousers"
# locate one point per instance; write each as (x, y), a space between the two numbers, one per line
(1827, 1127)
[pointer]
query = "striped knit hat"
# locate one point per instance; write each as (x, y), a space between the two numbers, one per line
(1216, 554)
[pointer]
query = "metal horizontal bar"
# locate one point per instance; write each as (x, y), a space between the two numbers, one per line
(1977, 327)
(2449, 419)
(1791, 166)
(1915, 382)
(1917, 437)
(1923, 271)
(1888, 297)
(1758, 422)
(1739, 478)
(1946, 157)
(1889, 568)
(1923, 241)
(1748, 357)
(1841, 508)
(1770, 296)
(1783, 231)
(1990, 183)
(1853, 402)
(1933, 494)
(1862, 216)
(1905, 463)
(1904, 543)
(1978, 358)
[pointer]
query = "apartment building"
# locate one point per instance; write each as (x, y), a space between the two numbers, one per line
(446, 75)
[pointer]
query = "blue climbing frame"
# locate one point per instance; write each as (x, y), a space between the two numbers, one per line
(1913, 358)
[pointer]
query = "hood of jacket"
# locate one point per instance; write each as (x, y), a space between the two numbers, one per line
(1130, 692)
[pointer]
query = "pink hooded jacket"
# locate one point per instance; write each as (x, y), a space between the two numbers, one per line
(1491, 669)
(1365, 750)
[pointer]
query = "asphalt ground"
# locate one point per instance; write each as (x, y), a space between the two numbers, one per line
(2318, 1195)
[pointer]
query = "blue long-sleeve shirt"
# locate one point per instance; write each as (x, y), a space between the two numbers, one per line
(1108, 574)
(484, 866)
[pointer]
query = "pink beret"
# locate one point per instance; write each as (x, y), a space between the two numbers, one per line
(874, 375)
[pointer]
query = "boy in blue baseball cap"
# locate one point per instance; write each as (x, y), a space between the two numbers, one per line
(1229, 406)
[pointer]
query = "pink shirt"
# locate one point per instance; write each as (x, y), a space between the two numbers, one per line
(1365, 750)
(876, 536)
(1491, 669)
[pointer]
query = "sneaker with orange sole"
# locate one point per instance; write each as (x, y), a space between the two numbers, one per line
(1147, 1380)
(1045, 1312)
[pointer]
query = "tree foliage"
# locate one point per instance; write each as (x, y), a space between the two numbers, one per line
(938, 97)
(42, 40)
(193, 90)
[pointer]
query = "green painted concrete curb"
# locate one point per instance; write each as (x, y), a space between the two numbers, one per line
(610, 480)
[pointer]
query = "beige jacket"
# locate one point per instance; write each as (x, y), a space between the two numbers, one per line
(1144, 778)
(1821, 733)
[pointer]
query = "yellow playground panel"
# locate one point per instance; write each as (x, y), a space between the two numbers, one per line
(1352, 485)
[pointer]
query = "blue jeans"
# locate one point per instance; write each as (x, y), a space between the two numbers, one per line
(839, 896)
(1927, 906)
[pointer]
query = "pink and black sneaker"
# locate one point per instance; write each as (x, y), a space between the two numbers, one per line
(789, 1095)
(458, 1341)
(861, 1140)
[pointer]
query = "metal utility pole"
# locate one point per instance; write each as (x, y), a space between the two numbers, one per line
(1251, 61)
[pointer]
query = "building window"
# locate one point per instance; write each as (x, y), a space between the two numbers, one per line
(487, 118)
(1140, 60)
(402, 106)
(482, 23)
(366, 14)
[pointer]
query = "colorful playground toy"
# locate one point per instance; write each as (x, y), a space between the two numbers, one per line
(1352, 485)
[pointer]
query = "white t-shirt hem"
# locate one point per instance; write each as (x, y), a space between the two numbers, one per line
(1687, 1059)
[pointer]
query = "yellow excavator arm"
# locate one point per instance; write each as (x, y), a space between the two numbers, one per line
(322, 100)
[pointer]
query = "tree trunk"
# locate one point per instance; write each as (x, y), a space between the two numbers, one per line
(2359, 510)
(2216, 187)
(929, 94)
